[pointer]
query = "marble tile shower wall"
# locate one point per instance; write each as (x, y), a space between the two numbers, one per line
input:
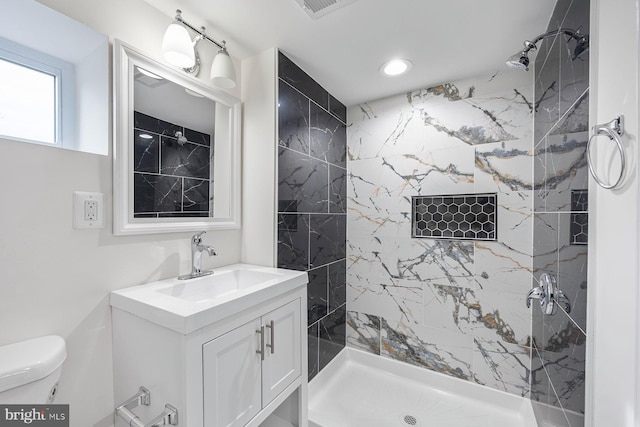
(560, 217)
(312, 176)
(453, 306)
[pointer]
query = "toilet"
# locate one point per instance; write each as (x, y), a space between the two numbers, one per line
(29, 370)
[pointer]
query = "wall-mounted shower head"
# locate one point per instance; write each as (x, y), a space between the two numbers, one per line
(520, 61)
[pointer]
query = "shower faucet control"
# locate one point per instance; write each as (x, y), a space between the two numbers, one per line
(196, 257)
(549, 295)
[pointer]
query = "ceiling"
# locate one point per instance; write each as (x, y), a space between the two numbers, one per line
(445, 39)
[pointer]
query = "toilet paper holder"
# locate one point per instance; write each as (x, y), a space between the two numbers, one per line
(143, 397)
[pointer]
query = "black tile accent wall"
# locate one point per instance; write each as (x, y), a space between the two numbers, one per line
(464, 217)
(312, 194)
(171, 179)
(561, 218)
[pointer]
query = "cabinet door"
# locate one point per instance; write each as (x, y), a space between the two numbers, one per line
(282, 363)
(231, 374)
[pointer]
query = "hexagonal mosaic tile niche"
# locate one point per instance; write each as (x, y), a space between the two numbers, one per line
(460, 216)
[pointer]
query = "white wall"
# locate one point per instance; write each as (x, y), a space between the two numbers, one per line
(56, 280)
(612, 377)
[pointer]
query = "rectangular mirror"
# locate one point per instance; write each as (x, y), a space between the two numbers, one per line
(176, 150)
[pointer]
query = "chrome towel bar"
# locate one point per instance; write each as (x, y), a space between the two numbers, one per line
(143, 397)
(614, 130)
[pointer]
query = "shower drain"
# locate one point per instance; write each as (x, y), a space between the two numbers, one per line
(409, 420)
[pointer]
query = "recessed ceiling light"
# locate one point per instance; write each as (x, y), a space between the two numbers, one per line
(396, 67)
(145, 136)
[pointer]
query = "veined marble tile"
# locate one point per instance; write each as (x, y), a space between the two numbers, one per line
(436, 172)
(566, 371)
(379, 216)
(502, 366)
(499, 268)
(440, 351)
(494, 316)
(515, 220)
(393, 299)
(504, 167)
(565, 167)
(448, 262)
(363, 332)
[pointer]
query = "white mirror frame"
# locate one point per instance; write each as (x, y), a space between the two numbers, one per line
(125, 59)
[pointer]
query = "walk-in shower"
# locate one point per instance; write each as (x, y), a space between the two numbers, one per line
(520, 60)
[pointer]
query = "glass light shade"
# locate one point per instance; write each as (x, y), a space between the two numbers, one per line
(223, 74)
(177, 47)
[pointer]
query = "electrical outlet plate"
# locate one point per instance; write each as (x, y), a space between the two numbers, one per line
(88, 210)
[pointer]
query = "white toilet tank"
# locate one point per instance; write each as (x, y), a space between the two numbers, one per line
(29, 370)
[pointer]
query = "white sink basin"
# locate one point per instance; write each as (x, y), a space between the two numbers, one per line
(188, 305)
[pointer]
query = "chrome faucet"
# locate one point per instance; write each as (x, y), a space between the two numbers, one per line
(196, 257)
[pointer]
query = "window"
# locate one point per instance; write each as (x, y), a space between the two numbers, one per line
(36, 96)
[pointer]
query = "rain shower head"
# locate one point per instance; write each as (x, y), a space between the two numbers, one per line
(520, 61)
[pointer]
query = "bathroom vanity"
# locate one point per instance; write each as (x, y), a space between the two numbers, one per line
(225, 350)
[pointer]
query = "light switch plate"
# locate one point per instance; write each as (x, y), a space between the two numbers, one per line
(88, 210)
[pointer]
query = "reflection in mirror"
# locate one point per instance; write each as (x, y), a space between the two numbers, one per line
(55, 79)
(182, 141)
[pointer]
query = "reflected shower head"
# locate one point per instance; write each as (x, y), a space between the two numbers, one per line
(181, 138)
(519, 61)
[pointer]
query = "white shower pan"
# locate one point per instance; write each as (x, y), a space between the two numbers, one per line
(358, 389)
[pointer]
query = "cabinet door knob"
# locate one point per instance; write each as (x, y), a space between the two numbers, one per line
(272, 328)
(261, 351)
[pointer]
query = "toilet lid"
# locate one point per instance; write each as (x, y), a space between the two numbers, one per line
(31, 360)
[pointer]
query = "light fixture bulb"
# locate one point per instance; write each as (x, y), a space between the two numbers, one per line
(223, 74)
(149, 74)
(396, 67)
(177, 47)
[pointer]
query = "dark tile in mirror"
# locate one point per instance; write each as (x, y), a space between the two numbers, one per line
(296, 77)
(328, 137)
(155, 193)
(197, 137)
(337, 189)
(152, 124)
(293, 241)
(293, 118)
(327, 238)
(302, 180)
(146, 152)
(317, 294)
(196, 195)
(337, 284)
(186, 159)
(183, 214)
(314, 350)
(333, 333)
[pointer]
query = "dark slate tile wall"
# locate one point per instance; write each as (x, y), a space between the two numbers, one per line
(560, 219)
(312, 158)
(170, 179)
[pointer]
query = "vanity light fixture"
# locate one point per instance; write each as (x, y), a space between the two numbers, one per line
(396, 67)
(178, 49)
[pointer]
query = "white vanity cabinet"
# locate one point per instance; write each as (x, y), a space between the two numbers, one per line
(247, 368)
(242, 363)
